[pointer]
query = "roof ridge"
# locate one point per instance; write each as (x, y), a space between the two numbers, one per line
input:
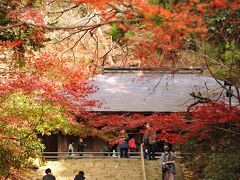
(181, 70)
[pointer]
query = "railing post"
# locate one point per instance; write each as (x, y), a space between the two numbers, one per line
(143, 164)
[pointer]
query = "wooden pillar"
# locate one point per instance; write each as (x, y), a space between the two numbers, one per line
(62, 143)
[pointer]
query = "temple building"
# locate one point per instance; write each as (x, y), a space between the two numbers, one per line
(143, 90)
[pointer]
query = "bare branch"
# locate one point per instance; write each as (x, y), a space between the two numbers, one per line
(212, 74)
(11, 26)
(76, 42)
(63, 27)
(227, 130)
(63, 11)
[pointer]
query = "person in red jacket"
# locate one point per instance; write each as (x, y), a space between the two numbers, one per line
(132, 145)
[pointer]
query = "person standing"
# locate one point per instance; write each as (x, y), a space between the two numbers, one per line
(81, 146)
(150, 144)
(70, 149)
(48, 175)
(132, 145)
(114, 150)
(167, 162)
(123, 145)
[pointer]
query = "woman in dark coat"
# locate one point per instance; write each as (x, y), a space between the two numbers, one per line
(167, 162)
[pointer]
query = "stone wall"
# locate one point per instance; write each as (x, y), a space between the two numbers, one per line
(102, 169)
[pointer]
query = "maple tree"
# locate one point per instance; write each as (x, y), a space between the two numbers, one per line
(176, 127)
(44, 93)
(40, 93)
(218, 147)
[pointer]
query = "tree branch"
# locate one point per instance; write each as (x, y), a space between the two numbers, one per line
(227, 130)
(63, 27)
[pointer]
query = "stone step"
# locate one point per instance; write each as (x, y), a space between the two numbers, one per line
(154, 170)
(95, 169)
(101, 169)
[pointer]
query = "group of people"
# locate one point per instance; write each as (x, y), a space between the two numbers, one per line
(150, 146)
(127, 145)
(166, 159)
(80, 147)
(50, 176)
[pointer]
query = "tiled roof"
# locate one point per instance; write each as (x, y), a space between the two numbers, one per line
(138, 92)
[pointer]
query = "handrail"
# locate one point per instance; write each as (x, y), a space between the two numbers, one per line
(143, 164)
(108, 152)
(86, 152)
(76, 155)
(55, 155)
